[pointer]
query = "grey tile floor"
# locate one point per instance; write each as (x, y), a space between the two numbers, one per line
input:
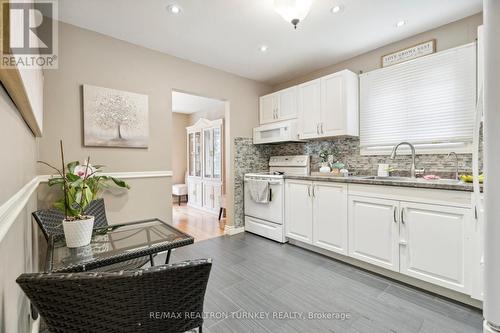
(253, 276)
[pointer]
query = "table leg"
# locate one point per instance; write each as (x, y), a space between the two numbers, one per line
(152, 260)
(168, 257)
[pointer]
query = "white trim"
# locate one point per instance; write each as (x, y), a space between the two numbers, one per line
(10, 210)
(232, 230)
(127, 175)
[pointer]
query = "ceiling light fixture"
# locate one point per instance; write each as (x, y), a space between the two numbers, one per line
(293, 11)
(336, 9)
(174, 9)
(400, 23)
(263, 48)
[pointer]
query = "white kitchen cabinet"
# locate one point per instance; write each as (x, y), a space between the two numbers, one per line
(330, 216)
(309, 102)
(374, 231)
(298, 210)
(268, 105)
(316, 213)
(329, 106)
(435, 245)
(278, 106)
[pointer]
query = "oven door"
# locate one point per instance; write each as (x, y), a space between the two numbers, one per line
(271, 211)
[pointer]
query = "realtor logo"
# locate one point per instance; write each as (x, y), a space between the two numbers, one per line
(29, 34)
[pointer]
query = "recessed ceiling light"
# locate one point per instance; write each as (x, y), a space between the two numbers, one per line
(400, 23)
(263, 48)
(336, 9)
(174, 9)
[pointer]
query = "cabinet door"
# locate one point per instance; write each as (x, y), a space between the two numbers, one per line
(268, 112)
(374, 231)
(217, 196)
(309, 109)
(217, 160)
(208, 153)
(287, 104)
(208, 196)
(298, 210)
(435, 244)
(330, 216)
(333, 111)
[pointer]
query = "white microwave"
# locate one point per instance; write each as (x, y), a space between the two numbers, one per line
(283, 131)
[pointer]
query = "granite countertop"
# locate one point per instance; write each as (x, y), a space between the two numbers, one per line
(442, 184)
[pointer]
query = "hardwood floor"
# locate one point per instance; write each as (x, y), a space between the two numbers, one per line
(252, 275)
(199, 224)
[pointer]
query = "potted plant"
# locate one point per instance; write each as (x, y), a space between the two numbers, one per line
(80, 184)
(323, 155)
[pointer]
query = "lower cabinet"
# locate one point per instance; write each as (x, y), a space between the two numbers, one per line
(211, 196)
(298, 210)
(435, 244)
(195, 190)
(316, 213)
(204, 194)
(330, 216)
(430, 236)
(425, 241)
(374, 231)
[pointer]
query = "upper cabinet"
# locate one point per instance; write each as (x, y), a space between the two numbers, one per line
(329, 106)
(325, 107)
(278, 106)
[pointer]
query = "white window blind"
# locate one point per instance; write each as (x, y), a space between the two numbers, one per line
(428, 101)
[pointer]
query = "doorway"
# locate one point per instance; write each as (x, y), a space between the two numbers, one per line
(198, 164)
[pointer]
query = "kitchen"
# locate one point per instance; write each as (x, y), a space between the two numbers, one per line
(380, 169)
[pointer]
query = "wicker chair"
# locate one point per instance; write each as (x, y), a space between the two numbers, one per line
(155, 299)
(50, 222)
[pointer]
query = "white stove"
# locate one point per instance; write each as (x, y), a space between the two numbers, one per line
(267, 219)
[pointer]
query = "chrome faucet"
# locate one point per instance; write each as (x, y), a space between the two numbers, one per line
(393, 156)
(456, 163)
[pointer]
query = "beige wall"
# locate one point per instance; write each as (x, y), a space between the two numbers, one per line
(18, 151)
(92, 58)
(454, 34)
(179, 146)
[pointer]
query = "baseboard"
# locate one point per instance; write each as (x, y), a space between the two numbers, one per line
(232, 230)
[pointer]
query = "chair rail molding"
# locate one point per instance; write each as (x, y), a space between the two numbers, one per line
(10, 210)
(126, 175)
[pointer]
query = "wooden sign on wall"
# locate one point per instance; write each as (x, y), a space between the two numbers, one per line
(410, 53)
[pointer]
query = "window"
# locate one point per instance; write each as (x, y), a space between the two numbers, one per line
(429, 101)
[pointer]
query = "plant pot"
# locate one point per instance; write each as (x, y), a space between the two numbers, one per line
(324, 168)
(79, 232)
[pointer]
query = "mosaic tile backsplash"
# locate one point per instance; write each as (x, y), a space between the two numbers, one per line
(255, 158)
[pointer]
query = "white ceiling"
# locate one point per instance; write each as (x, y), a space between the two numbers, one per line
(227, 34)
(187, 103)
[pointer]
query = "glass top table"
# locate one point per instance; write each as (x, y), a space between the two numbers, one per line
(113, 244)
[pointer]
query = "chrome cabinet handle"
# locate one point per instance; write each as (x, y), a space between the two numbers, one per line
(317, 128)
(309, 191)
(394, 214)
(314, 191)
(322, 132)
(403, 215)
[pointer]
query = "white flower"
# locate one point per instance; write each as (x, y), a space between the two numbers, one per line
(82, 170)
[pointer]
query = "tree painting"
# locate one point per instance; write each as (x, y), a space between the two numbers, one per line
(115, 118)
